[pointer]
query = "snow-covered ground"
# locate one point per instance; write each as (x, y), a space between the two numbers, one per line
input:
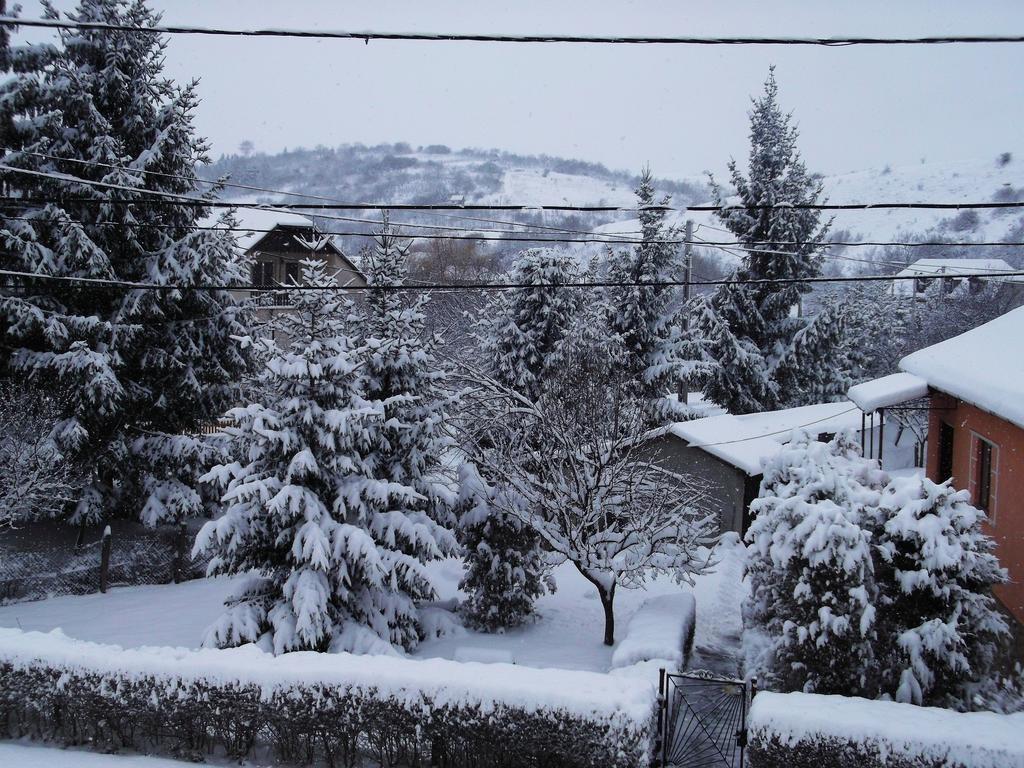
(27, 755)
(566, 634)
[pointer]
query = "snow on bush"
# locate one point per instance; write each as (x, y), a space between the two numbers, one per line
(798, 730)
(862, 585)
(662, 629)
(309, 706)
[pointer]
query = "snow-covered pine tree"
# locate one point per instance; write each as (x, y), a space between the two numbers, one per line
(134, 368)
(520, 328)
(646, 317)
(506, 570)
(304, 515)
(810, 567)
(408, 446)
(785, 242)
(937, 568)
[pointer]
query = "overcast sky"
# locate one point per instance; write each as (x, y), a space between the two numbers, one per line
(681, 109)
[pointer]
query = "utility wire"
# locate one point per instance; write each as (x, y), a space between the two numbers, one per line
(500, 286)
(367, 35)
(176, 199)
(524, 237)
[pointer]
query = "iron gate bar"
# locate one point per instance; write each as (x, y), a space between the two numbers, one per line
(702, 721)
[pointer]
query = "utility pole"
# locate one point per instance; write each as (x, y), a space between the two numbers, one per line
(684, 389)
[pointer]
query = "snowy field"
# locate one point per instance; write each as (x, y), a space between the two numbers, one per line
(25, 755)
(566, 634)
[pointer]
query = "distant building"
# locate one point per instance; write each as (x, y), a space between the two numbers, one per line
(952, 277)
(975, 389)
(277, 243)
(728, 452)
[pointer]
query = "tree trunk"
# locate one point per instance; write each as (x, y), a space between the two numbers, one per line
(609, 615)
(607, 596)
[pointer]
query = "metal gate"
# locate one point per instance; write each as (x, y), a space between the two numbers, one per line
(703, 721)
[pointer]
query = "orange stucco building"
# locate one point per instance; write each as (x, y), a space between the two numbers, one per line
(974, 385)
(984, 454)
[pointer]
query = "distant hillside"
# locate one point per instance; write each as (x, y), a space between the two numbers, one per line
(437, 174)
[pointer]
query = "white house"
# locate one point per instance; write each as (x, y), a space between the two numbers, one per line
(952, 272)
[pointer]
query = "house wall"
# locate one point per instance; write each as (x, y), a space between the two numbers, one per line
(726, 485)
(1006, 518)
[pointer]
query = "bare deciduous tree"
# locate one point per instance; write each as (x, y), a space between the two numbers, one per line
(573, 468)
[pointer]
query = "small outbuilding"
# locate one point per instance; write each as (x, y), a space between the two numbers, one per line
(728, 452)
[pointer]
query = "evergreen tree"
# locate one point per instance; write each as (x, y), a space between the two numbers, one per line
(939, 569)
(505, 566)
(765, 357)
(134, 369)
(811, 572)
(522, 327)
(332, 552)
(401, 372)
(645, 316)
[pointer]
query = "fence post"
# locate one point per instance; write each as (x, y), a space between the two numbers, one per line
(105, 559)
(179, 552)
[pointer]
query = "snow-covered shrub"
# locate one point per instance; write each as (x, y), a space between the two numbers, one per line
(797, 730)
(506, 570)
(811, 571)
(661, 629)
(332, 551)
(937, 569)
(311, 708)
(867, 586)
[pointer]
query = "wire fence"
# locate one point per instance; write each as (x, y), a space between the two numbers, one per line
(132, 561)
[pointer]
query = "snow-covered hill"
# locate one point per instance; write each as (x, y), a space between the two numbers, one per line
(437, 174)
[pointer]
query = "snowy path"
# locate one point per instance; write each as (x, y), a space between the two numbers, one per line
(566, 635)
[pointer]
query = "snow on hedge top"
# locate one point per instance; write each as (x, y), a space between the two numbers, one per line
(585, 694)
(748, 440)
(984, 367)
(941, 736)
(888, 390)
(658, 630)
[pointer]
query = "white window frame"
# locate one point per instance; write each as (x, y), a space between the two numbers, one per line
(993, 492)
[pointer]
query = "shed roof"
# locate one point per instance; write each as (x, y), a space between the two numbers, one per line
(747, 441)
(888, 390)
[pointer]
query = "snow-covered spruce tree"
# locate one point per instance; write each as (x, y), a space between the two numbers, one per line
(133, 369)
(646, 318)
(765, 357)
(810, 568)
(937, 569)
(407, 447)
(520, 328)
(506, 570)
(325, 543)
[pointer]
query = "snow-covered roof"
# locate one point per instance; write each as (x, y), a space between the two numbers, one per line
(746, 441)
(984, 367)
(953, 268)
(888, 390)
(263, 221)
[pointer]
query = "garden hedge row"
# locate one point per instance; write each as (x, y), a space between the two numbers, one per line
(798, 730)
(303, 710)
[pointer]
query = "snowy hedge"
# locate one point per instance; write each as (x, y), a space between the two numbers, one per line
(308, 707)
(661, 630)
(801, 730)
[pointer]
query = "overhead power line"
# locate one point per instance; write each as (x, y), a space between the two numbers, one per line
(501, 286)
(501, 236)
(441, 37)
